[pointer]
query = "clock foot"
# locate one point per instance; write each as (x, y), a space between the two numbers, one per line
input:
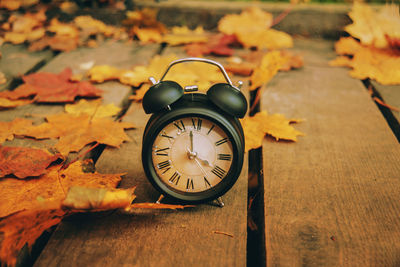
(159, 199)
(220, 203)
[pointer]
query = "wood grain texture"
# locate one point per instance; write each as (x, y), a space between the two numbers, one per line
(16, 61)
(332, 198)
(152, 238)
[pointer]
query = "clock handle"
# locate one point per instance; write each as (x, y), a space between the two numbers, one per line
(209, 61)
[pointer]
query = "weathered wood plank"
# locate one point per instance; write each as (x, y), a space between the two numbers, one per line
(332, 198)
(16, 61)
(156, 238)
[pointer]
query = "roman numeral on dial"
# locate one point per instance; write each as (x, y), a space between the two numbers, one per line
(189, 184)
(164, 165)
(175, 178)
(197, 126)
(206, 182)
(181, 127)
(227, 157)
(218, 172)
(162, 151)
(222, 141)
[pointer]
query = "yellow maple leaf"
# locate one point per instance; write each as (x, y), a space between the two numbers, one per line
(183, 35)
(265, 38)
(368, 61)
(250, 20)
(9, 129)
(262, 123)
(269, 67)
(373, 28)
(147, 35)
(92, 108)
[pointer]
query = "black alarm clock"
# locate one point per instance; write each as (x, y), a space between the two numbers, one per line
(193, 144)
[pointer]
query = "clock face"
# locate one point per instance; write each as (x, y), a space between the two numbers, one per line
(192, 154)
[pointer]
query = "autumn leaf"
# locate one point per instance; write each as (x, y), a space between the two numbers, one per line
(97, 199)
(156, 206)
(275, 125)
(269, 67)
(92, 108)
(252, 29)
(183, 35)
(50, 88)
(250, 20)
(139, 94)
(76, 131)
(24, 227)
(18, 195)
(144, 18)
(16, 4)
(195, 73)
(27, 27)
(8, 129)
(368, 62)
(218, 45)
(7, 103)
(374, 28)
(148, 35)
(3, 78)
(25, 162)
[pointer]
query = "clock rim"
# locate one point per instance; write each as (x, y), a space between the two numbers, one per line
(226, 123)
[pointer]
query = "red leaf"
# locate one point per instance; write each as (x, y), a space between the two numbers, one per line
(50, 88)
(24, 162)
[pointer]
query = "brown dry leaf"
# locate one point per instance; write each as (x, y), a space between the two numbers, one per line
(146, 17)
(368, 62)
(183, 35)
(92, 108)
(25, 227)
(24, 161)
(50, 88)
(275, 125)
(76, 131)
(7, 103)
(93, 26)
(374, 28)
(292, 61)
(269, 67)
(8, 129)
(18, 195)
(97, 199)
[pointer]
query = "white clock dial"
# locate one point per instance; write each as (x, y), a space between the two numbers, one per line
(192, 154)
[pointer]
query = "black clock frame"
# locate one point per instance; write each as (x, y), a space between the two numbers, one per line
(194, 105)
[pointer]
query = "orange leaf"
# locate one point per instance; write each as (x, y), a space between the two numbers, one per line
(8, 129)
(275, 125)
(18, 195)
(25, 227)
(76, 131)
(24, 162)
(156, 206)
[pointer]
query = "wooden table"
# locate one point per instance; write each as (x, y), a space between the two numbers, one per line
(331, 199)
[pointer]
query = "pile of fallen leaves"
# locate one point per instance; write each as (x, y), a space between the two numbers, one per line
(42, 186)
(373, 50)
